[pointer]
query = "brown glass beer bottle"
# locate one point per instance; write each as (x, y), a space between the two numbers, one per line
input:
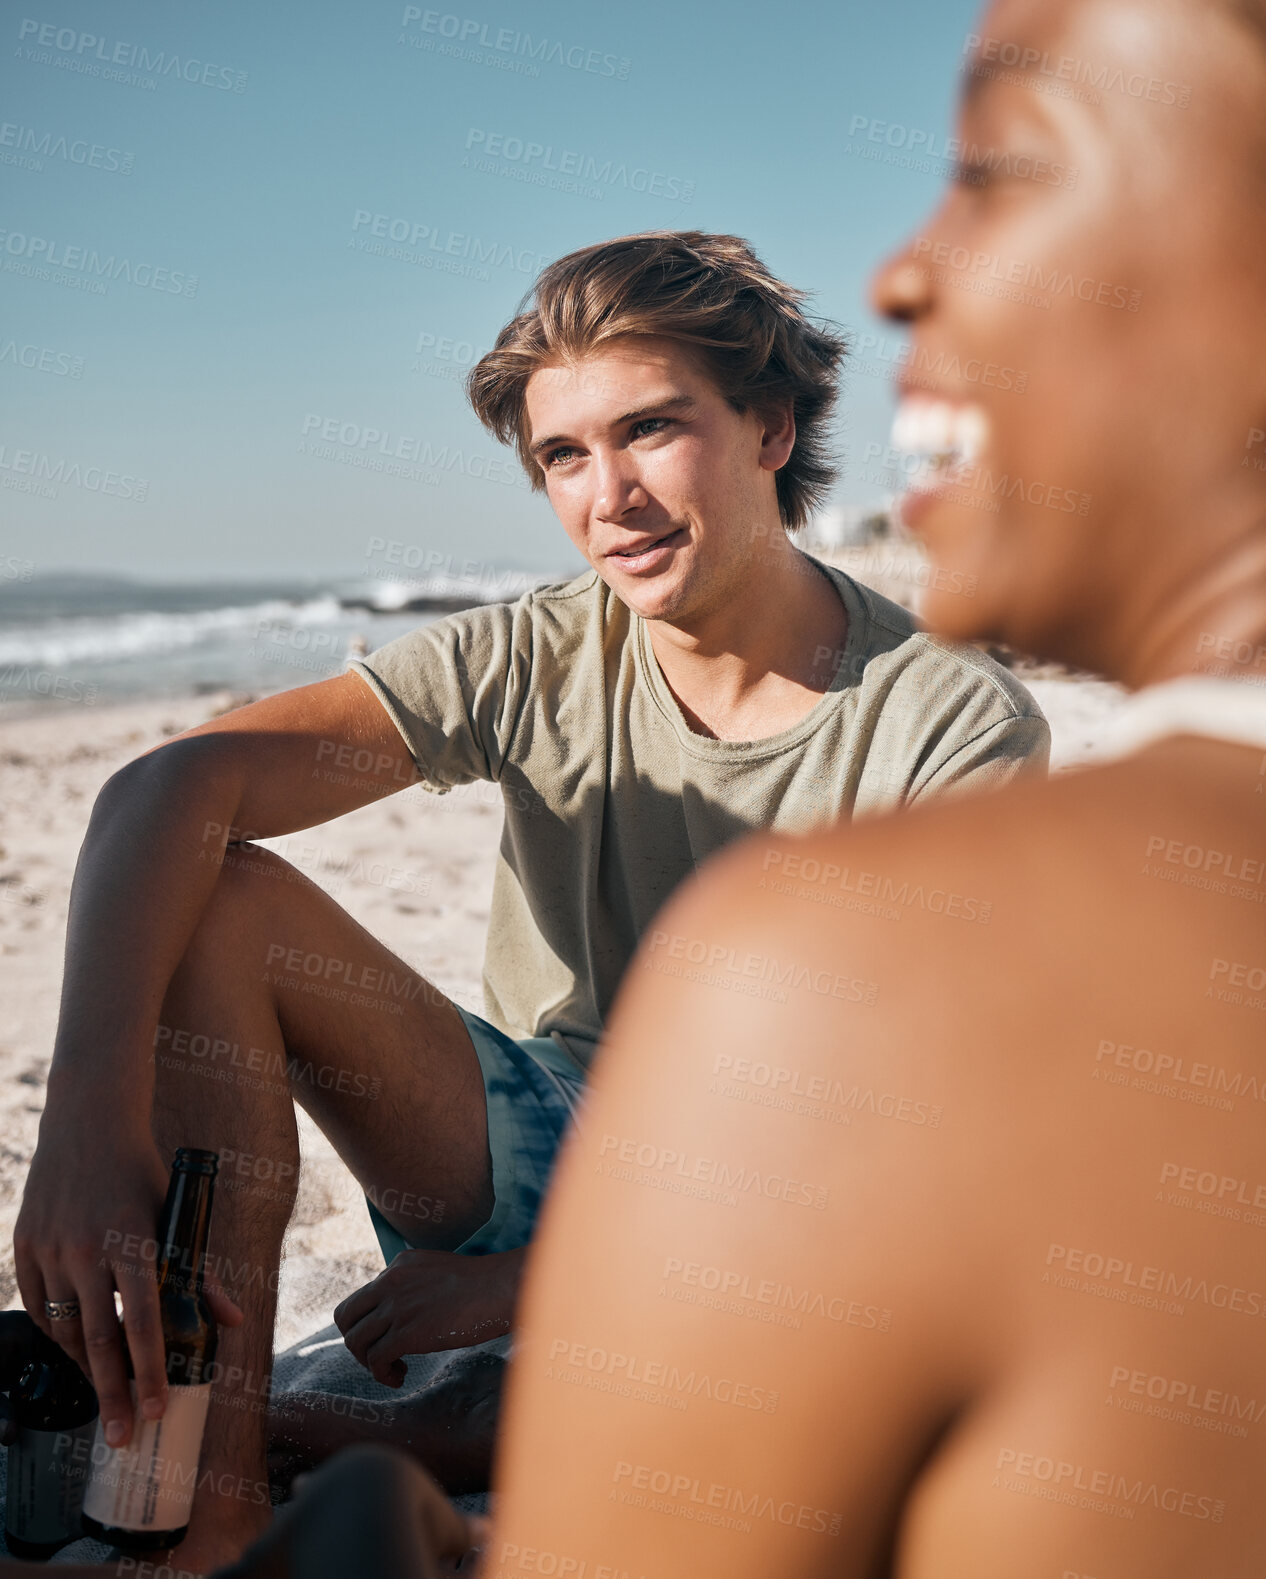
(139, 1497)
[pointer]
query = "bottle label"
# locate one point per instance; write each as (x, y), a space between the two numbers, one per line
(149, 1484)
(46, 1483)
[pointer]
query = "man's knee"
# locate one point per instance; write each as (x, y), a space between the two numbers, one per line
(249, 870)
(253, 886)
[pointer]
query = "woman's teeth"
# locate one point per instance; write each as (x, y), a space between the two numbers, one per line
(939, 438)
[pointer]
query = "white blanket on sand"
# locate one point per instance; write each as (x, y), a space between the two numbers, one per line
(322, 1364)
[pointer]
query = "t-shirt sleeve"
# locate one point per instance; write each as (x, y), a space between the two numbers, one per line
(454, 690)
(995, 756)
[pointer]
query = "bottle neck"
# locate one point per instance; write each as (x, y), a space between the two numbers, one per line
(183, 1230)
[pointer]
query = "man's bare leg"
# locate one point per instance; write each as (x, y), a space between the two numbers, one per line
(386, 1068)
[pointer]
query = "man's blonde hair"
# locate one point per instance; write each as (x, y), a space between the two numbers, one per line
(710, 293)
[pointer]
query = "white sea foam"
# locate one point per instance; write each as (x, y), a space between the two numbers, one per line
(55, 643)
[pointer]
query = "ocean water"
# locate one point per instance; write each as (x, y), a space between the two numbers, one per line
(83, 640)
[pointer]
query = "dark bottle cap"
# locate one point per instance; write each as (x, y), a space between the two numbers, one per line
(189, 1159)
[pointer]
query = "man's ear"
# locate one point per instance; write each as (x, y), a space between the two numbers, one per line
(778, 437)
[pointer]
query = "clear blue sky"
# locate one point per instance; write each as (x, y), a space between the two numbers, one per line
(370, 109)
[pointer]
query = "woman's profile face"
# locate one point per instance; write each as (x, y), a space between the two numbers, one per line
(1104, 242)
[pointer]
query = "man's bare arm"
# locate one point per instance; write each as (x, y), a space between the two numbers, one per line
(148, 866)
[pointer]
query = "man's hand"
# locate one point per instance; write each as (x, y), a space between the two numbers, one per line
(428, 1300)
(87, 1227)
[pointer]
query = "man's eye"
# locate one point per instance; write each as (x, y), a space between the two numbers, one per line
(552, 456)
(649, 425)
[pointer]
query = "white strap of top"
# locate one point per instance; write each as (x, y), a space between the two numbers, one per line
(1230, 710)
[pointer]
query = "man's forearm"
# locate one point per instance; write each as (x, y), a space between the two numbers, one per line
(148, 866)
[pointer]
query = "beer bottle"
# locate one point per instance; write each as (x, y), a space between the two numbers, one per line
(53, 1408)
(139, 1496)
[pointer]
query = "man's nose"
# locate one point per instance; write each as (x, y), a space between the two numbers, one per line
(619, 488)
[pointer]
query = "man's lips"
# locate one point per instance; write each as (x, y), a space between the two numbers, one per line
(637, 550)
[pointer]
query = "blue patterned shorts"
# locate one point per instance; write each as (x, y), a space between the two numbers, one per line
(534, 1092)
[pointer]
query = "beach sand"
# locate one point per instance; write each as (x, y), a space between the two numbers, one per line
(415, 869)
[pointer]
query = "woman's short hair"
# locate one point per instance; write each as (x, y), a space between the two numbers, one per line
(708, 292)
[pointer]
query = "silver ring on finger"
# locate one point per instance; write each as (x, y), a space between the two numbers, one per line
(61, 1309)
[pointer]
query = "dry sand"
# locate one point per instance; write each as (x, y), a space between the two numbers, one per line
(51, 766)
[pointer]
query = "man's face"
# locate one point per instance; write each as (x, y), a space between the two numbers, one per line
(666, 490)
(1103, 243)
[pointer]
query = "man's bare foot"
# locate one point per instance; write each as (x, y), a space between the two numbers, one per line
(449, 1429)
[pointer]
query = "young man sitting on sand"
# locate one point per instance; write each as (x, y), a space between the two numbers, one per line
(702, 680)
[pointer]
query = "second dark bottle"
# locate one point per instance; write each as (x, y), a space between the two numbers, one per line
(54, 1410)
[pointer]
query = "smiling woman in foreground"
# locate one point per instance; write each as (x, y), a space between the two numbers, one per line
(960, 1270)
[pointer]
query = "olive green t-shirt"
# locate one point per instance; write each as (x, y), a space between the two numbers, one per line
(611, 800)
